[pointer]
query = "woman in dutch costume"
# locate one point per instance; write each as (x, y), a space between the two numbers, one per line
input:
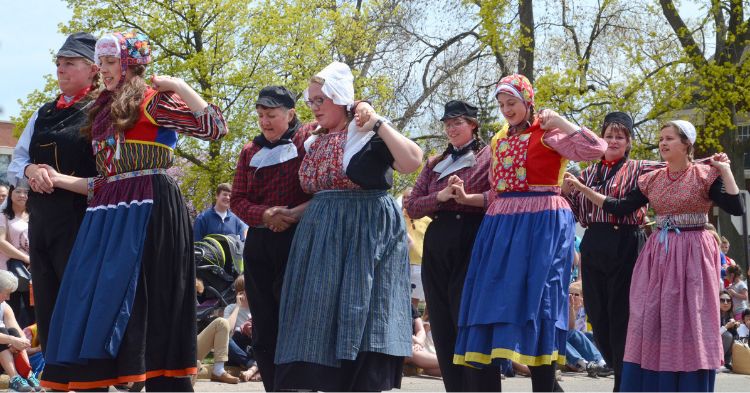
(440, 192)
(677, 275)
(52, 137)
(344, 322)
(126, 307)
(515, 299)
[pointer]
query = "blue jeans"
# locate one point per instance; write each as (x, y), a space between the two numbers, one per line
(580, 347)
(239, 355)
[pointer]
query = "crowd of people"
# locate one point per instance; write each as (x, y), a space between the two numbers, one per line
(483, 243)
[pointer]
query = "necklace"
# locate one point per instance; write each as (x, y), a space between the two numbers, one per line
(679, 174)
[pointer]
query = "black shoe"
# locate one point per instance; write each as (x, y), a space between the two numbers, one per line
(605, 371)
(592, 369)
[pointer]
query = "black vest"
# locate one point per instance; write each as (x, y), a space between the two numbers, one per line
(57, 142)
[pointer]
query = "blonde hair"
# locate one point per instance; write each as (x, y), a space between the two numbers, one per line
(575, 285)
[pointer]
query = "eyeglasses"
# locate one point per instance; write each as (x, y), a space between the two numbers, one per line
(317, 101)
(725, 300)
(454, 124)
(576, 294)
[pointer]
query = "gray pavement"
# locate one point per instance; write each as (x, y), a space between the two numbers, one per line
(571, 382)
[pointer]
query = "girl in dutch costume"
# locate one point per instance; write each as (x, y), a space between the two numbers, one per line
(344, 322)
(515, 298)
(677, 274)
(126, 307)
(440, 192)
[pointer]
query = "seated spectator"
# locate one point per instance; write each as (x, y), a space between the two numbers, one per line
(240, 343)
(216, 337)
(581, 353)
(738, 290)
(420, 356)
(728, 327)
(14, 245)
(36, 357)
(743, 331)
(12, 346)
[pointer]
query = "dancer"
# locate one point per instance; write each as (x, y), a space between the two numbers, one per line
(515, 298)
(451, 234)
(345, 315)
(676, 276)
(52, 137)
(126, 307)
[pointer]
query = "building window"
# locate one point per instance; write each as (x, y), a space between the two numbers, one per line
(747, 160)
(743, 132)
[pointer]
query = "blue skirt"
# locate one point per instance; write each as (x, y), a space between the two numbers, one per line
(346, 287)
(515, 299)
(636, 379)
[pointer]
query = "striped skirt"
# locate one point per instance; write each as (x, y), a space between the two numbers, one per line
(346, 288)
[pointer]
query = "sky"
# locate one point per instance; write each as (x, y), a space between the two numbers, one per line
(25, 53)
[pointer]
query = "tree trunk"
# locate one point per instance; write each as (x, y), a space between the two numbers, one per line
(526, 50)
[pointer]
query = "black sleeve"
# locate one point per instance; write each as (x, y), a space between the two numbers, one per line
(625, 205)
(372, 167)
(729, 203)
(414, 312)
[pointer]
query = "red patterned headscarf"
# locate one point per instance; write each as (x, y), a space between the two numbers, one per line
(130, 47)
(518, 86)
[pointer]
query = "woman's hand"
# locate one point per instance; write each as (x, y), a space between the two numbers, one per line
(362, 113)
(720, 161)
(549, 119)
(39, 179)
(571, 182)
(20, 344)
(167, 83)
(446, 194)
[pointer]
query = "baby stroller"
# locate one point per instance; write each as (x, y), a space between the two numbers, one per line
(218, 261)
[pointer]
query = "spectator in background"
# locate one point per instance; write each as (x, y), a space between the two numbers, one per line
(415, 230)
(240, 343)
(420, 356)
(12, 344)
(218, 218)
(738, 290)
(215, 337)
(581, 353)
(14, 244)
(3, 194)
(728, 327)
(743, 331)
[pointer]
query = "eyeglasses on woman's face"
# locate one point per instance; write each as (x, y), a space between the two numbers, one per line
(316, 101)
(725, 300)
(575, 294)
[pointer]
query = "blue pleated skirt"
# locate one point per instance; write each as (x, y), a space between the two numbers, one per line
(515, 299)
(346, 287)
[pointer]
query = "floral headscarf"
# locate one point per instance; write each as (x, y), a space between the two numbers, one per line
(518, 86)
(130, 47)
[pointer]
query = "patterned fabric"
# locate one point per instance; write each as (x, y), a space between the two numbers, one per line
(322, 168)
(511, 154)
(423, 200)
(614, 181)
(678, 193)
(150, 142)
(255, 190)
(131, 47)
(518, 86)
(578, 146)
(346, 287)
(676, 278)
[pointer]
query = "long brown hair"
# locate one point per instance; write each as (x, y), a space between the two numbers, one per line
(125, 108)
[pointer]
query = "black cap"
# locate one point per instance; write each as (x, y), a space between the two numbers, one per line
(78, 45)
(455, 108)
(275, 96)
(621, 118)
